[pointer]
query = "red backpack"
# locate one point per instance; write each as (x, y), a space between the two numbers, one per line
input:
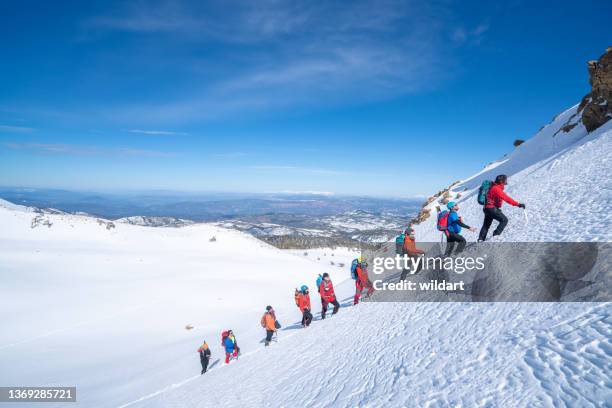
(443, 221)
(223, 336)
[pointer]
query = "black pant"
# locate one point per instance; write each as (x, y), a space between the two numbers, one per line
(451, 238)
(324, 304)
(490, 215)
(269, 334)
(204, 361)
(306, 318)
(406, 271)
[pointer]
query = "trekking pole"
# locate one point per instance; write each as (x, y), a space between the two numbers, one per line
(526, 218)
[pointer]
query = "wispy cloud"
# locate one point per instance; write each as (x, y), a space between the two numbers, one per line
(470, 36)
(229, 155)
(16, 129)
(158, 132)
(298, 169)
(300, 52)
(204, 21)
(77, 150)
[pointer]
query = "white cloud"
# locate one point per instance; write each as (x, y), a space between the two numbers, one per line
(229, 155)
(272, 55)
(78, 150)
(15, 129)
(157, 132)
(473, 36)
(298, 169)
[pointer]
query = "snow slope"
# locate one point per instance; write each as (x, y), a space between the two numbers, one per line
(453, 354)
(420, 355)
(105, 309)
(563, 178)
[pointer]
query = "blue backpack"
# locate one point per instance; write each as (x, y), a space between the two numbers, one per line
(354, 269)
(319, 280)
(483, 191)
(400, 239)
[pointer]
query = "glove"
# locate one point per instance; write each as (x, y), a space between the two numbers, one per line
(521, 206)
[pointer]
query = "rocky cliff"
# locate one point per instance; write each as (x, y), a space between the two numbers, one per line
(596, 106)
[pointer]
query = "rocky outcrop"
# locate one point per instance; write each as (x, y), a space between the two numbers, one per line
(108, 224)
(596, 107)
(444, 196)
(423, 215)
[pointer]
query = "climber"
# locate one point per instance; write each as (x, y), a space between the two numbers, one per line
(411, 251)
(453, 230)
(326, 290)
(204, 351)
(302, 301)
(362, 282)
(492, 207)
(268, 322)
(228, 341)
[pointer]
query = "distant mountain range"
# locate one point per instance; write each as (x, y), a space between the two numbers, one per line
(285, 219)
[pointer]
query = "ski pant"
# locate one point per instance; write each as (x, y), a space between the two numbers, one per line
(324, 304)
(451, 238)
(269, 334)
(204, 362)
(360, 286)
(405, 271)
(306, 318)
(490, 215)
(230, 354)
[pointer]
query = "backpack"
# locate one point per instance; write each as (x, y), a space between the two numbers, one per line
(443, 220)
(354, 266)
(319, 280)
(296, 296)
(223, 336)
(483, 191)
(400, 239)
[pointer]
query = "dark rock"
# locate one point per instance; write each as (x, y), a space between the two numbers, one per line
(566, 128)
(596, 106)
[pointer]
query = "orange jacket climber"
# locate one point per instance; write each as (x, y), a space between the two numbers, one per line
(268, 321)
(410, 248)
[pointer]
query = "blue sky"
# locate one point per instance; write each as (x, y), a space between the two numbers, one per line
(378, 98)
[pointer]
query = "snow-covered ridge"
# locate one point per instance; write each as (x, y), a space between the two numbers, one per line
(562, 177)
(562, 174)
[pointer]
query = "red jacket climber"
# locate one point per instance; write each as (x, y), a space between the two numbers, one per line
(326, 290)
(362, 282)
(496, 197)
